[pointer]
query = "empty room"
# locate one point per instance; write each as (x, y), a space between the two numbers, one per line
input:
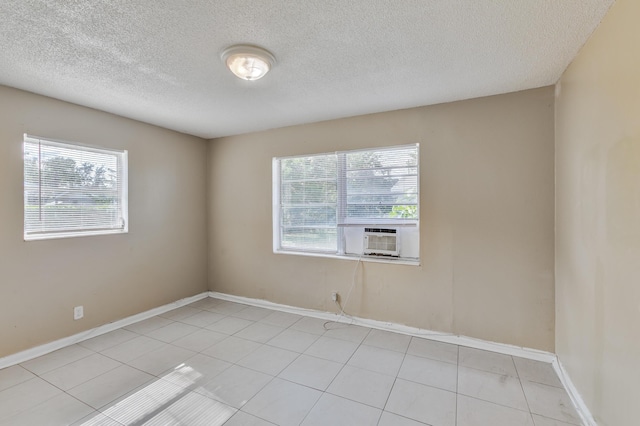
(368, 212)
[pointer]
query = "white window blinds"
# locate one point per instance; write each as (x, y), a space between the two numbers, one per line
(72, 190)
(319, 193)
(381, 185)
(308, 197)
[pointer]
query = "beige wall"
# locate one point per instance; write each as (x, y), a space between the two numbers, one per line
(598, 218)
(487, 202)
(161, 259)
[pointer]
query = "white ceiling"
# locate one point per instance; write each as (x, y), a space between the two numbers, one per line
(158, 61)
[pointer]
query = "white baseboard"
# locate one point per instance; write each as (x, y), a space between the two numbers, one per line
(578, 402)
(534, 354)
(37, 351)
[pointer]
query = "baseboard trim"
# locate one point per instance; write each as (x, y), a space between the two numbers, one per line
(37, 351)
(528, 353)
(578, 402)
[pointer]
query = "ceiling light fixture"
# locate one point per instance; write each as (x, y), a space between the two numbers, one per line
(248, 62)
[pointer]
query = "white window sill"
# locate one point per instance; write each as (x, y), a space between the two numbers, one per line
(363, 258)
(55, 235)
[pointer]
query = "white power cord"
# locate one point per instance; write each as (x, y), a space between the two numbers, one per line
(346, 301)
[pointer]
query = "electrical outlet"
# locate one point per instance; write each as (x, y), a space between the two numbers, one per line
(78, 312)
(334, 296)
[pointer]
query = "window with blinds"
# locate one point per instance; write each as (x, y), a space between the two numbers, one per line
(316, 196)
(308, 203)
(73, 190)
(381, 185)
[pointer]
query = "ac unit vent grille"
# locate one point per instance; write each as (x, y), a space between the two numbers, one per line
(381, 242)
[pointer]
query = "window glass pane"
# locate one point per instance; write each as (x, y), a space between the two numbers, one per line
(308, 203)
(382, 184)
(70, 188)
(313, 239)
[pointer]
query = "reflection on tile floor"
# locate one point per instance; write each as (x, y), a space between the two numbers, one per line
(222, 363)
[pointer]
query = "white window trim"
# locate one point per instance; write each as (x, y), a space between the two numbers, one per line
(124, 193)
(343, 222)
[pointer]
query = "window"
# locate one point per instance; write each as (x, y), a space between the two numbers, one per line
(73, 190)
(323, 202)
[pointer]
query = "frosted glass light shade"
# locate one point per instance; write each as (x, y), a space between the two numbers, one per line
(248, 62)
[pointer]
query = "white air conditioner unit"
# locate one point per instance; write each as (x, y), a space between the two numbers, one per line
(381, 242)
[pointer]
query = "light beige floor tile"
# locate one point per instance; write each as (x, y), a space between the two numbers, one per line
(422, 403)
(162, 359)
(537, 371)
(335, 411)
(475, 412)
(387, 340)
(252, 313)
(259, 332)
(487, 361)
(172, 332)
(268, 359)
(244, 419)
(143, 402)
(96, 419)
(228, 308)
(376, 359)
(14, 375)
(310, 371)
(545, 421)
(281, 319)
(132, 349)
(200, 340)
(231, 349)
(283, 403)
(78, 372)
(110, 386)
(25, 396)
(62, 409)
(148, 325)
(429, 372)
(195, 371)
(229, 325)
(235, 386)
(180, 313)
(352, 333)
(202, 319)
(206, 303)
(500, 389)
(107, 340)
(56, 359)
(550, 401)
(310, 325)
(390, 419)
(293, 340)
(332, 349)
(193, 409)
(362, 386)
(434, 350)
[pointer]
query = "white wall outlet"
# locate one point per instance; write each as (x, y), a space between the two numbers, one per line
(78, 312)
(334, 296)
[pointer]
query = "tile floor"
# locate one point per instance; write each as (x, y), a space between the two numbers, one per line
(216, 362)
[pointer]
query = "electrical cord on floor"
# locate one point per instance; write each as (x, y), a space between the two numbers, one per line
(346, 301)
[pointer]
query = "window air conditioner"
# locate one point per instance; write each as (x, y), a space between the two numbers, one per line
(381, 242)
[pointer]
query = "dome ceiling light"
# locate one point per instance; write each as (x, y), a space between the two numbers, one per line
(248, 62)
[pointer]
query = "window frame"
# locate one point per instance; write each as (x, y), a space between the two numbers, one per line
(122, 190)
(342, 221)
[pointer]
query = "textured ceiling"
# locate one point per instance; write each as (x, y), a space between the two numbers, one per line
(158, 61)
